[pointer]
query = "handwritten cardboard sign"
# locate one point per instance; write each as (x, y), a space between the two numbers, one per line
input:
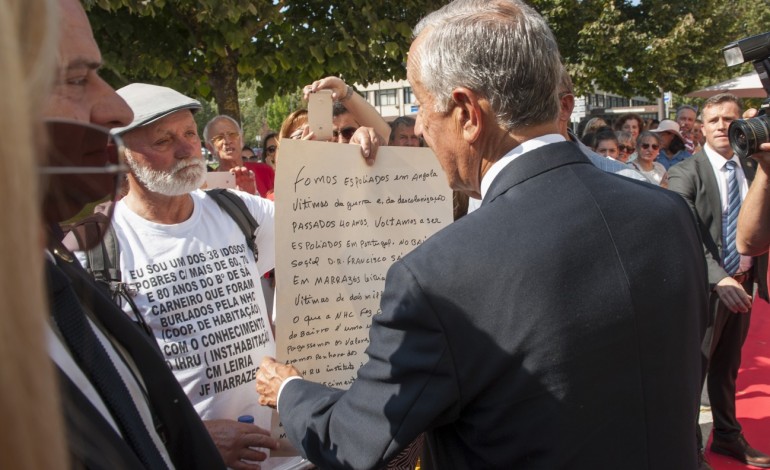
(340, 224)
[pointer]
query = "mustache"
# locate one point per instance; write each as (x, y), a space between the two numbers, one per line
(188, 162)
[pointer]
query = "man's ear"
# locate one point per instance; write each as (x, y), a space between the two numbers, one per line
(567, 104)
(468, 113)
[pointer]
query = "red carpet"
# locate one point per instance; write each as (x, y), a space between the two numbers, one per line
(753, 389)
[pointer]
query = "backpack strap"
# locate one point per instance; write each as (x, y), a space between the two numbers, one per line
(103, 259)
(236, 208)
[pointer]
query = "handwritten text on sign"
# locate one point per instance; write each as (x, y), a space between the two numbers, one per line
(340, 225)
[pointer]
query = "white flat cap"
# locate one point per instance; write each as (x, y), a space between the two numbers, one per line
(152, 102)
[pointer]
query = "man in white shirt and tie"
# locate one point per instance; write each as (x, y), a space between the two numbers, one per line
(714, 182)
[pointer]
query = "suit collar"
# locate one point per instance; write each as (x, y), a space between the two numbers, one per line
(534, 163)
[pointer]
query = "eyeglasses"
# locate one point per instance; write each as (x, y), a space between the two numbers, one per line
(219, 139)
(271, 149)
(85, 168)
(626, 148)
(654, 146)
(346, 133)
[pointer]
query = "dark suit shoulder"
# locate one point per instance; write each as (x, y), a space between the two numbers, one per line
(684, 177)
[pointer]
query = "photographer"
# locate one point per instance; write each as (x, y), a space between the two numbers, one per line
(754, 220)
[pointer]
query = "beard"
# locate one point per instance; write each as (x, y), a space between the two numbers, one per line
(185, 176)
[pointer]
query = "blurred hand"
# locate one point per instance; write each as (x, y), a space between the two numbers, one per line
(235, 442)
(270, 376)
(732, 294)
(369, 141)
(244, 179)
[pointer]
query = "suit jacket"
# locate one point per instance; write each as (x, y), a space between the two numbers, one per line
(695, 181)
(545, 330)
(92, 441)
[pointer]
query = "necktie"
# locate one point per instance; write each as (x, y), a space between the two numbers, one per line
(732, 259)
(92, 358)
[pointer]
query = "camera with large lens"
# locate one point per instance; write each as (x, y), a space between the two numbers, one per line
(746, 135)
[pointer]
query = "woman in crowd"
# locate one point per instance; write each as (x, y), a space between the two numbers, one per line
(294, 125)
(672, 146)
(593, 125)
(648, 147)
(630, 122)
(626, 146)
(270, 148)
(33, 431)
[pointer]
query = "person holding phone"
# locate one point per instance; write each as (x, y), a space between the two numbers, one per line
(353, 117)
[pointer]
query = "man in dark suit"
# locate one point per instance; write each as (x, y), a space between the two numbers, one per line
(555, 335)
(122, 406)
(707, 182)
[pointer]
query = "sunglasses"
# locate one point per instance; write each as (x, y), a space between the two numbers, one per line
(85, 168)
(654, 146)
(346, 133)
(271, 149)
(626, 148)
(219, 139)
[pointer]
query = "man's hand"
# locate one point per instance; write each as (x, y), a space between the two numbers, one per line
(244, 179)
(270, 376)
(369, 141)
(235, 442)
(732, 294)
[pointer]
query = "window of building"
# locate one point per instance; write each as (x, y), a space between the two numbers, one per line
(385, 98)
(408, 95)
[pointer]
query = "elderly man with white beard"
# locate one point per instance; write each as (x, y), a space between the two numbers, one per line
(191, 273)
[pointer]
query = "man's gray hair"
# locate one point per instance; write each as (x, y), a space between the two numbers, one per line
(686, 106)
(207, 129)
(501, 49)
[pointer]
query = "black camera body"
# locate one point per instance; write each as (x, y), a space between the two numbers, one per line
(746, 135)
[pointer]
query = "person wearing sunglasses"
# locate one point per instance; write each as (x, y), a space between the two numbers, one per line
(647, 149)
(626, 146)
(123, 407)
(270, 148)
(354, 119)
(672, 144)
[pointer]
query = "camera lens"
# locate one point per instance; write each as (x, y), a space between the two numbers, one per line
(746, 135)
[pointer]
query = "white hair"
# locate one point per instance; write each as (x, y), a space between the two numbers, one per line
(500, 49)
(219, 118)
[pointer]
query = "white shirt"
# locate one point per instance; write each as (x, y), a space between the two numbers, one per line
(719, 165)
(513, 154)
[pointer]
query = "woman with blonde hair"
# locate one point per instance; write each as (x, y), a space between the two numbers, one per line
(33, 436)
(648, 148)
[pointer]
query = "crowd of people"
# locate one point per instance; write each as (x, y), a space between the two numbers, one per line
(674, 141)
(495, 347)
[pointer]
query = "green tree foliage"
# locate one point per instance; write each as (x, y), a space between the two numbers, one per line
(639, 48)
(204, 47)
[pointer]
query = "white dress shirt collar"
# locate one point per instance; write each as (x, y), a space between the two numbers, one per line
(526, 146)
